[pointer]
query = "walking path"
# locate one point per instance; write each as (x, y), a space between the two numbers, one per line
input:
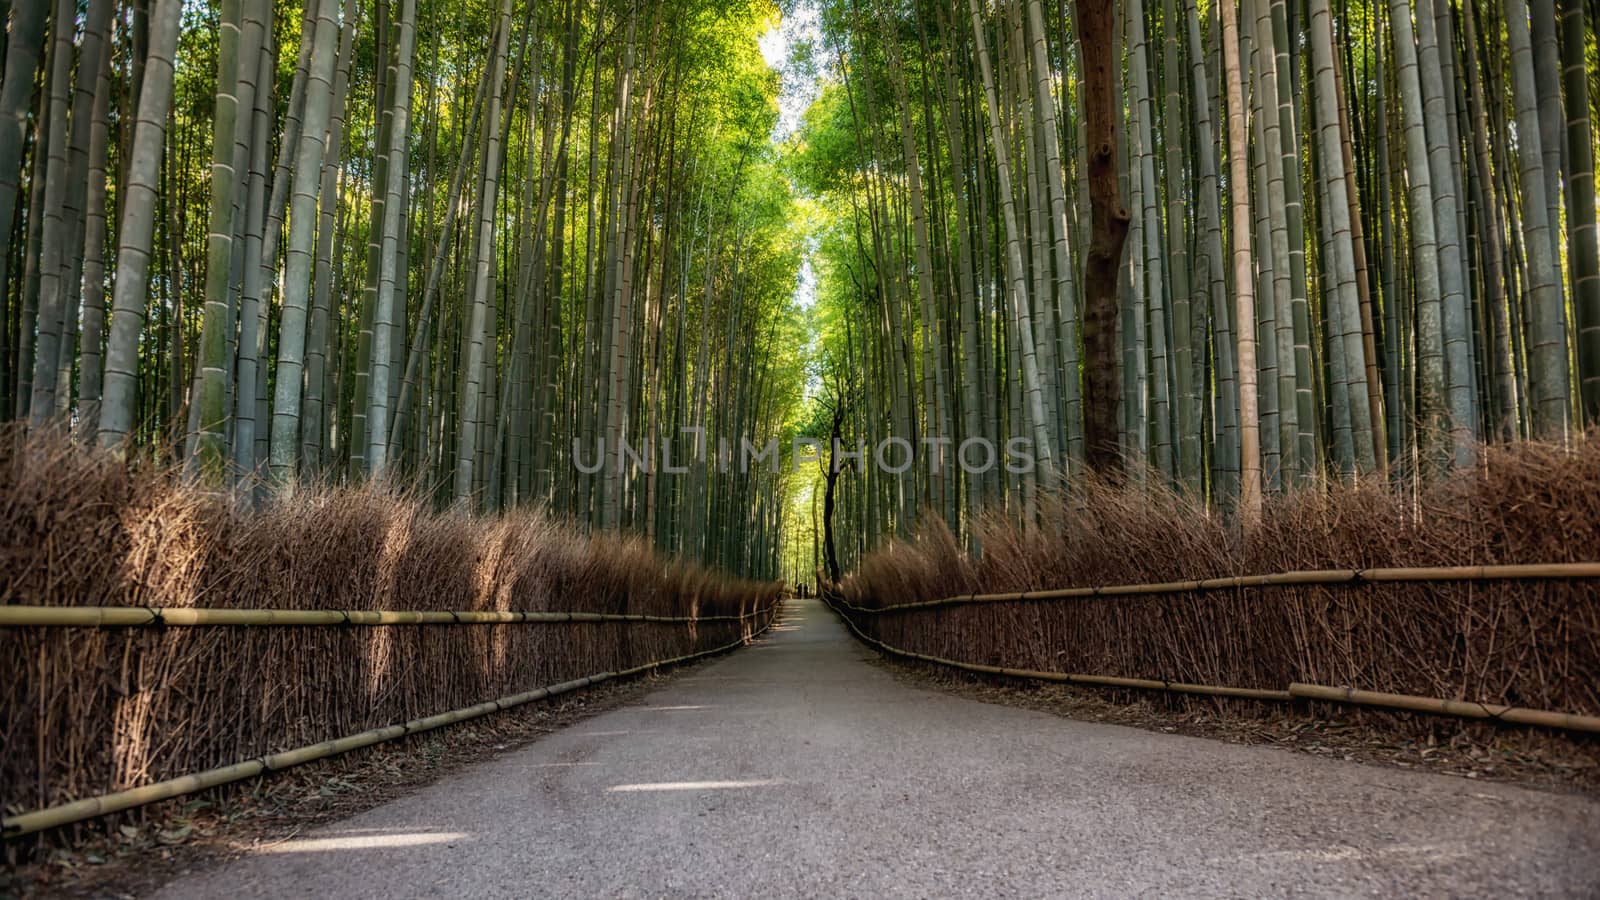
(796, 768)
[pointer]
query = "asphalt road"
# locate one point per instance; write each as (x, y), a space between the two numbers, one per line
(795, 768)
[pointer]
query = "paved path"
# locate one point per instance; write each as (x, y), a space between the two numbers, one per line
(795, 768)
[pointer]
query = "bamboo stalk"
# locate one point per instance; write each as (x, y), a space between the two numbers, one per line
(79, 810)
(146, 616)
(1464, 708)
(1530, 571)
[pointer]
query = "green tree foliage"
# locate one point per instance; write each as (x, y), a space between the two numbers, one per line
(460, 246)
(454, 245)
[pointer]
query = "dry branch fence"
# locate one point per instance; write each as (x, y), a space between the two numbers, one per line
(1345, 577)
(136, 664)
(1378, 597)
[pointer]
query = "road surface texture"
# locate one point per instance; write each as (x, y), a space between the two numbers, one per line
(796, 768)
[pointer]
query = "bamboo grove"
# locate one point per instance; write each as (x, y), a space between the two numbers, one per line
(1242, 246)
(481, 248)
(498, 250)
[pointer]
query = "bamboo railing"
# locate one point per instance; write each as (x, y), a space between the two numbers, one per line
(90, 807)
(1351, 577)
(19, 616)
(1465, 708)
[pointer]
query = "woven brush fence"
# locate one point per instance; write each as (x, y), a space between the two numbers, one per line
(88, 710)
(1519, 642)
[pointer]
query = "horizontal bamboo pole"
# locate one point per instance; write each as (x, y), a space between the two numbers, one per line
(1527, 572)
(19, 616)
(1071, 678)
(1464, 708)
(79, 810)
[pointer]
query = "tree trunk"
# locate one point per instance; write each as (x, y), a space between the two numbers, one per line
(25, 40)
(1109, 221)
(1020, 312)
(390, 309)
(284, 445)
(1244, 291)
(130, 289)
(1583, 241)
(478, 325)
(1550, 395)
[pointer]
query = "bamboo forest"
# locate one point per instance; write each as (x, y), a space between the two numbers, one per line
(799, 448)
(489, 251)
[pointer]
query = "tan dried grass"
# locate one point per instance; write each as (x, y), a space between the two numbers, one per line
(1521, 643)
